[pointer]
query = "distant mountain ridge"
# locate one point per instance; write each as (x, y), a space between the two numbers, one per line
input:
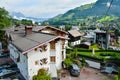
(93, 11)
(20, 16)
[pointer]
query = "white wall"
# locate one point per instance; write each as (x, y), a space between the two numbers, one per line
(58, 54)
(22, 64)
(37, 56)
(75, 42)
(27, 65)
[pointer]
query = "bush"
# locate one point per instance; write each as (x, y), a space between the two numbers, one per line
(42, 75)
(106, 54)
(68, 62)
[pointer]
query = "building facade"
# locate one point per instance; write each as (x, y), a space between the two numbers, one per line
(75, 37)
(37, 47)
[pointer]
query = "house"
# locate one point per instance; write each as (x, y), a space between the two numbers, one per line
(75, 37)
(36, 47)
(89, 37)
(104, 39)
(100, 38)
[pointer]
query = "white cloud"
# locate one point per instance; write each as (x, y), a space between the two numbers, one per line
(42, 8)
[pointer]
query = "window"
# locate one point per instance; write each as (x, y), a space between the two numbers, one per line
(36, 63)
(52, 59)
(52, 45)
(44, 47)
(62, 55)
(18, 59)
(63, 45)
(43, 61)
(35, 49)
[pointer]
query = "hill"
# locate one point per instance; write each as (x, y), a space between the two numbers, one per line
(20, 16)
(89, 12)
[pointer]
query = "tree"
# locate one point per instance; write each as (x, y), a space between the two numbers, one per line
(67, 28)
(5, 18)
(26, 22)
(119, 73)
(42, 75)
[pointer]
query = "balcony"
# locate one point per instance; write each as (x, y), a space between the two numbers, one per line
(52, 53)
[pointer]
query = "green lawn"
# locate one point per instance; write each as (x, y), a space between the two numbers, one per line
(106, 55)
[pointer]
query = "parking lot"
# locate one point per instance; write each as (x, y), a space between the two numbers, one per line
(88, 74)
(8, 65)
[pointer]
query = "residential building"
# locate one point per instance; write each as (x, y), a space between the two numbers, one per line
(36, 47)
(104, 39)
(75, 37)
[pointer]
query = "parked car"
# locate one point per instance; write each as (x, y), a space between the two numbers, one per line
(8, 66)
(8, 72)
(110, 68)
(55, 78)
(74, 70)
(3, 54)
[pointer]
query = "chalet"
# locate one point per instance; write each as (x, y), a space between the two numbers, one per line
(36, 47)
(75, 37)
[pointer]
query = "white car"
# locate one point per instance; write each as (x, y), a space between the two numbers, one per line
(110, 68)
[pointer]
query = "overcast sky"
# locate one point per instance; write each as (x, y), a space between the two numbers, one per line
(42, 8)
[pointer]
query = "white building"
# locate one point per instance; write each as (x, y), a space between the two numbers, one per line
(75, 37)
(33, 48)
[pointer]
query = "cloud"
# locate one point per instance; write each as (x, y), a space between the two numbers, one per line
(42, 8)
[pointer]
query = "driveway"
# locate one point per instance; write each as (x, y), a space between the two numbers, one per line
(89, 74)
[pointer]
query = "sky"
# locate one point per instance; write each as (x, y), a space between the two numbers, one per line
(42, 8)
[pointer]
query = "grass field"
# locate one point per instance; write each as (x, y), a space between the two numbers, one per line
(99, 54)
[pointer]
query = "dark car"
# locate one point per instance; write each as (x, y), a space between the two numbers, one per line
(8, 72)
(8, 66)
(3, 54)
(74, 70)
(55, 78)
(109, 68)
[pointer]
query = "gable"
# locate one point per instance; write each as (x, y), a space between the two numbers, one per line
(50, 30)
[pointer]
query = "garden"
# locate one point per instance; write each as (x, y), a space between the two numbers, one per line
(97, 54)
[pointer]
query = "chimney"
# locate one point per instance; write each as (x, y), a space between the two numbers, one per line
(28, 30)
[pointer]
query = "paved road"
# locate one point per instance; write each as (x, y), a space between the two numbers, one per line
(88, 74)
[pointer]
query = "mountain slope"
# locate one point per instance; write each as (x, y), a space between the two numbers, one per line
(20, 16)
(93, 12)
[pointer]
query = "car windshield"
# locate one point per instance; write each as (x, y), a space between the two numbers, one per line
(75, 67)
